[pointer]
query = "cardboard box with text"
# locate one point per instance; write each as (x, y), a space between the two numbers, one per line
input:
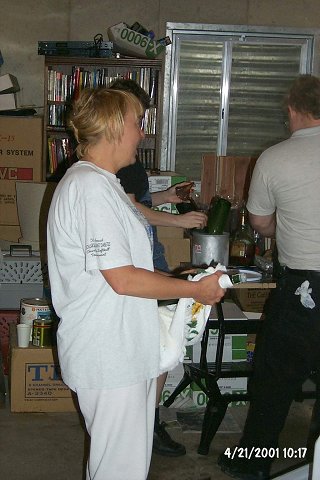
(35, 380)
(20, 159)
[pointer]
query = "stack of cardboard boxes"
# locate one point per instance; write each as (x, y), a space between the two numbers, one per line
(20, 159)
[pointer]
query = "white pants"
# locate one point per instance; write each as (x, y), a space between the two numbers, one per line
(120, 423)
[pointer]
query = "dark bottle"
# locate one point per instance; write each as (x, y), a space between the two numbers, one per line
(184, 191)
(242, 245)
(218, 215)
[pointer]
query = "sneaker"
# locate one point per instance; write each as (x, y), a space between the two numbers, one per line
(164, 445)
(243, 469)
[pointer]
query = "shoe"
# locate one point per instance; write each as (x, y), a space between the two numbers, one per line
(164, 445)
(244, 469)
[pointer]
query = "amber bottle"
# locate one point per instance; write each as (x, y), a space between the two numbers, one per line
(242, 245)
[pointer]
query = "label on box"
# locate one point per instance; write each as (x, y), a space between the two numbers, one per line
(167, 392)
(43, 381)
(158, 183)
(200, 399)
(234, 348)
(226, 385)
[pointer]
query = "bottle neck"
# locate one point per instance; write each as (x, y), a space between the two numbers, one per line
(243, 223)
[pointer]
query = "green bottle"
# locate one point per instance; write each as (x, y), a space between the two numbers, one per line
(218, 215)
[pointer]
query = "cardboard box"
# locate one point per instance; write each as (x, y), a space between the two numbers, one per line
(235, 348)
(181, 399)
(174, 376)
(9, 233)
(234, 345)
(6, 318)
(177, 251)
(133, 43)
(35, 381)
(250, 299)
(226, 385)
(170, 232)
(20, 159)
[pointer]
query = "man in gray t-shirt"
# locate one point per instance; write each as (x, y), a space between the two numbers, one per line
(284, 201)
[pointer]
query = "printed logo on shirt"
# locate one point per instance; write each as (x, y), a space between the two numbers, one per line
(97, 247)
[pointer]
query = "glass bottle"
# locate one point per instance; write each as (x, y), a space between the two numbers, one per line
(229, 280)
(218, 215)
(242, 245)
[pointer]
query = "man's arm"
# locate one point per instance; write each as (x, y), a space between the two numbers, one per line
(265, 225)
(165, 219)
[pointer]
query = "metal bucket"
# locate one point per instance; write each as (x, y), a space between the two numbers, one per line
(207, 248)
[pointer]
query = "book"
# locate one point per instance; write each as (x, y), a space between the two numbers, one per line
(7, 101)
(8, 84)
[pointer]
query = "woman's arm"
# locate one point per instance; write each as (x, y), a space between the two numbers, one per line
(138, 282)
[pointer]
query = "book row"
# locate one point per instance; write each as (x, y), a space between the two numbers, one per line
(64, 87)
(57, 116)
(147, 156)
(61, 152)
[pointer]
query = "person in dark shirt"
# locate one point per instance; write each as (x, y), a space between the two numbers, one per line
(134, 181)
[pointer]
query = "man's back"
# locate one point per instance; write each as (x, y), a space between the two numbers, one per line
(286, 178)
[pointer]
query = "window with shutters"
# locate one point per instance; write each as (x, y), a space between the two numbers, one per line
(224, 89)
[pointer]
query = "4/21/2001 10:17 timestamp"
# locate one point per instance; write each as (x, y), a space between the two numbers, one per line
(264, 452)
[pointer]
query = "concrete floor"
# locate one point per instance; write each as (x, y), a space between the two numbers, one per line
(51, 446)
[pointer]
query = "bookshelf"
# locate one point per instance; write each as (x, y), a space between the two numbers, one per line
(66, 76)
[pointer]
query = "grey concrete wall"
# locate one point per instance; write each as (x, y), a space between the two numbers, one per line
(25, 22)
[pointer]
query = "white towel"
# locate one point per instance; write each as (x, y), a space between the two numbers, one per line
(182, 324)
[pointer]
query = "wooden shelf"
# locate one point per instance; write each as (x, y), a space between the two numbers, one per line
(60, 69)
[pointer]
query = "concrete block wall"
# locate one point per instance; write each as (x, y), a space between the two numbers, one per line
(25, 22)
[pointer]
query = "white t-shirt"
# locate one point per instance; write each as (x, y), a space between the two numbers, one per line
(286, 179)
(105, 340)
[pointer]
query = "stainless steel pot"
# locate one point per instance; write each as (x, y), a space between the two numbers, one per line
(207, 248)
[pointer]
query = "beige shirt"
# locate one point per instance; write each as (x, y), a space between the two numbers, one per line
(286, 180)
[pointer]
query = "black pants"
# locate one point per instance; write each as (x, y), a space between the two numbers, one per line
(286, 352)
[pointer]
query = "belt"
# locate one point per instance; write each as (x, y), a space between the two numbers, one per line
(299, 273)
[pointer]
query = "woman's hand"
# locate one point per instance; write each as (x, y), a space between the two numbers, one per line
(209, 291)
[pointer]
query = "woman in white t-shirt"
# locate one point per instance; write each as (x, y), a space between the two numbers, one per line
(104, 289)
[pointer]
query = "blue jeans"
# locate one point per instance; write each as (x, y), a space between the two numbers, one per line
(159, 260)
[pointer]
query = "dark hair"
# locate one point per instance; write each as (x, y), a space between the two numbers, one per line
(131, 86)
(304, 95)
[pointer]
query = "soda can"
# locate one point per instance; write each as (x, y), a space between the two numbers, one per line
(42, 332)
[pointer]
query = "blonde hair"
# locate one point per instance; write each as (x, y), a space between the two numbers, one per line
(98, 112)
